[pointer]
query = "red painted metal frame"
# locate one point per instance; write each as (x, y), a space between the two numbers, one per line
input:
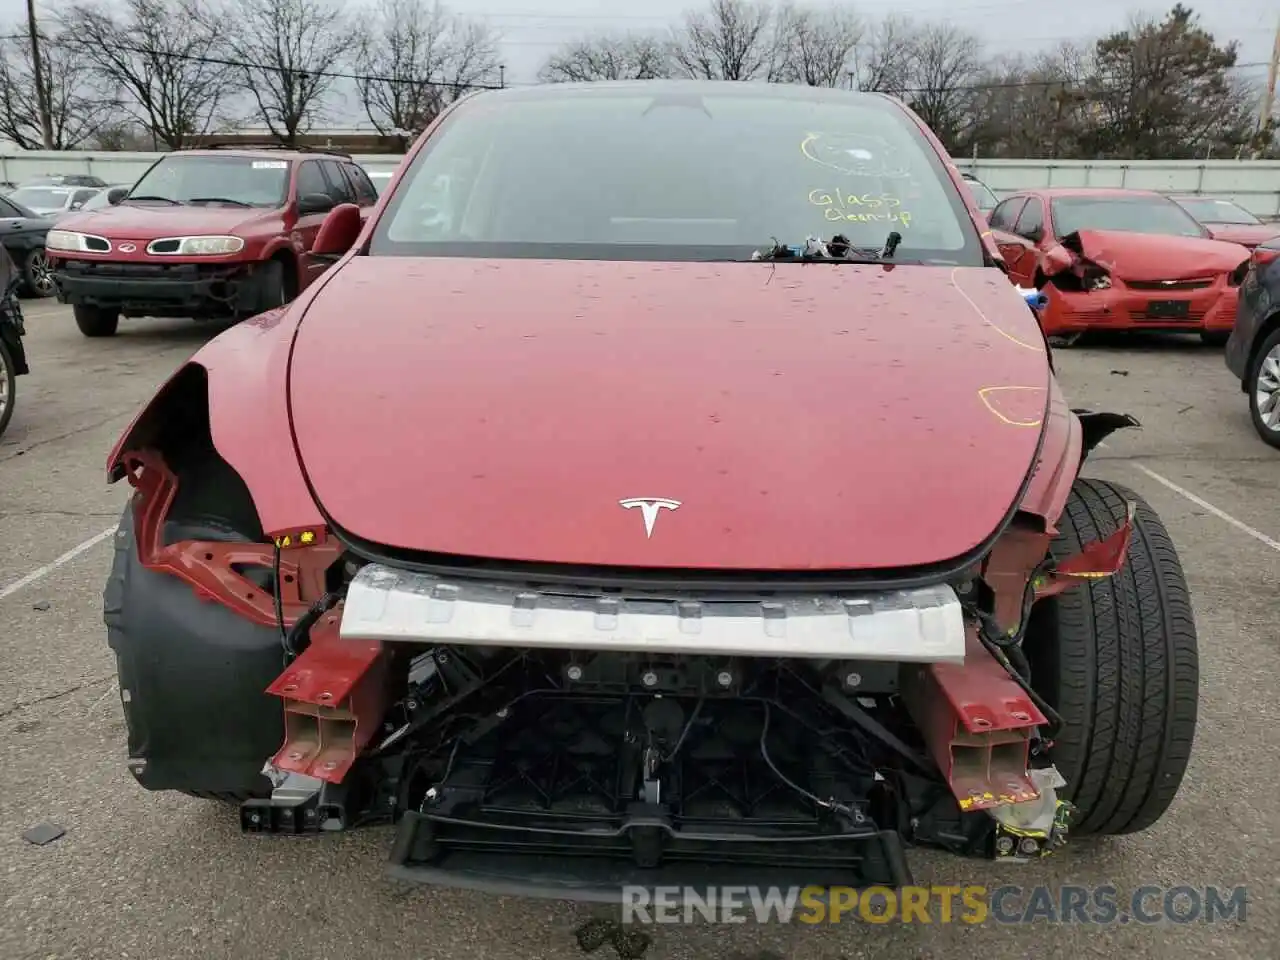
(1096, 560)
(335, 695)
(1009, 566)
(209, 566)
(977, 723)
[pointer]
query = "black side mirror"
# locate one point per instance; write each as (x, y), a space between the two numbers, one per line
(116, 194)
(310, 203)
(1035, 235)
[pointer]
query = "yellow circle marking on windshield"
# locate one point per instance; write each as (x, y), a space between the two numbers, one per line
(864, 162)
(985, 396)
(1037, 347)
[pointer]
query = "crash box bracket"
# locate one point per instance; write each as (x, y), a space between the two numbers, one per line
(334, 697)
(977, 722)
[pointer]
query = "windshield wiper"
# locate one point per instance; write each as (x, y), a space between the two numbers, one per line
(238, 203)
(838, 249)
(168, 200)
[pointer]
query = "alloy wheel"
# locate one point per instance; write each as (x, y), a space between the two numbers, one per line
(41, 274)
(1266, 389)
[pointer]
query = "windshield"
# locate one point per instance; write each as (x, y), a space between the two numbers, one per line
(1219, 211)
(1129, 214)
(982, 196)
(42, 198)
(252, 181)
(674, 172)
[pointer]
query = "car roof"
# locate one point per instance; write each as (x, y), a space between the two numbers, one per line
(267, 153)
(1052, 192)
(785, 91)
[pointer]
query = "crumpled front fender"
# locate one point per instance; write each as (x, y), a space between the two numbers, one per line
(1070, 435)
(244, 371)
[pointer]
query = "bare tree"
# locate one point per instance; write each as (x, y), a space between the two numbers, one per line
(615, 57)
(1034, 107)
(121, 135)
(77, 106)
(730, 40)
(415, 59)
(819, 44)
(885, 57)
(286, 52)
(945, 66)
(162, 55)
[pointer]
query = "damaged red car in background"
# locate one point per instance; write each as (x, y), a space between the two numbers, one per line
(1119, 260)
(1227, 220)
(638, 546)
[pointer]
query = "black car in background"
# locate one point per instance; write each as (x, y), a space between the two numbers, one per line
(22, 233)
(1253, 350)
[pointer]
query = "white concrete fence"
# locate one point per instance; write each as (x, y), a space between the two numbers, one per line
(1254, 184)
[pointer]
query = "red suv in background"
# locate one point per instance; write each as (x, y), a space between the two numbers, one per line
(206, 234)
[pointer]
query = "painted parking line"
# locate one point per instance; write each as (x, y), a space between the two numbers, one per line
(1210, 508)
(39, 573)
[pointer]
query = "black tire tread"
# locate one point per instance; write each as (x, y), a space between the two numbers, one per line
(95, 321)
(1126, 669)
(7, 370)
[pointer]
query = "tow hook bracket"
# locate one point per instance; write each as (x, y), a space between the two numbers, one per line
(334, 697)
(1096, 561)
(977, 723)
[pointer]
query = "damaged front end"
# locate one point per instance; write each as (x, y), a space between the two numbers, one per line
(566, 741)
(1107, 279)
(569, 738)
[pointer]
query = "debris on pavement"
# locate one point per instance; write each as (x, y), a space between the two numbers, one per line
(43, 833)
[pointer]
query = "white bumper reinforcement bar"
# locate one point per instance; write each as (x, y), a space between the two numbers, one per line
(922, 625)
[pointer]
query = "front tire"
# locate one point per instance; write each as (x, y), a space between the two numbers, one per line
(96, 321)
(275, 291)
(1118, 659)
(1262, 384)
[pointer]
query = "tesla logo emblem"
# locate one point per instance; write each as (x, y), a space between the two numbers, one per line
(649, 507)
(128, 247)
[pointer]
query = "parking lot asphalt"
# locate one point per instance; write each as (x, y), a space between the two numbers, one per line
(144, 875)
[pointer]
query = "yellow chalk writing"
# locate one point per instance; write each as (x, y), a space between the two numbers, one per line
(860, 208)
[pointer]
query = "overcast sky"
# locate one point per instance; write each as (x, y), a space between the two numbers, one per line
(532, 29)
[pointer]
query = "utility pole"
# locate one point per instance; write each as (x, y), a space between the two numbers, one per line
(37, 67)
(1269, 94)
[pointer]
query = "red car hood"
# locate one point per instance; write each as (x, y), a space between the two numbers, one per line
(1151, 257)
(1244, 234)
(803, 416)
(152, 222)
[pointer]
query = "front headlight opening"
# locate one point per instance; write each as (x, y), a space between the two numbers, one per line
(196, 246)
(1236, 277)
(67, 240)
